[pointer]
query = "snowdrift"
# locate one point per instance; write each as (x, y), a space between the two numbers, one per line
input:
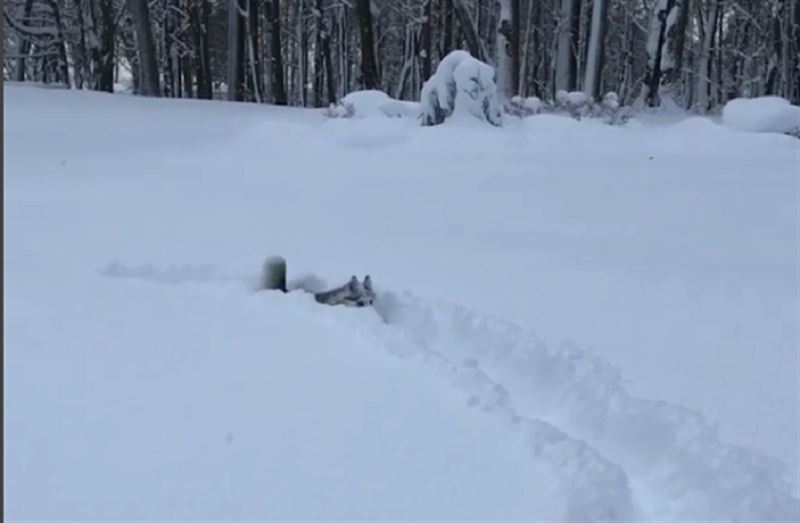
(767, 114)
(372, 103)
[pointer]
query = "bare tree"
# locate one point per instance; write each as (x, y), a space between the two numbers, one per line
(199, 20)
(104, 33)
(516, 37)
(474, 43)
(565, 74)
(23, 44)
(594, 54)
(369, 67)
(695, 53)
(147, 50)
(447, 27)
(426, 37)
(505, 74)
(708, 25)
(235, 50)
(660, 56)
(276, 55)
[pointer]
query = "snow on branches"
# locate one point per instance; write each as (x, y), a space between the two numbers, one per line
(461, 85)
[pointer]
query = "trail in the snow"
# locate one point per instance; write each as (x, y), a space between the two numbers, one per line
(615, 456)
(672, 457)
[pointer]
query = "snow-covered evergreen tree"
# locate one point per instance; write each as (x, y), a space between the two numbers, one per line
(461, 85)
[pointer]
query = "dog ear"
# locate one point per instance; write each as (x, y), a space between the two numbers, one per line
(353, 284)
(367, 283)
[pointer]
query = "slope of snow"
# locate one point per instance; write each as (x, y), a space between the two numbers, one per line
(145, 379)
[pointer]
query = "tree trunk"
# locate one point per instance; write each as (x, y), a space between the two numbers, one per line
(537, 62)
(474, 43)
(235, 51)
(594, 55)
(775, 48)
(676, 38)
(63, 65)
(516, 39)
(342, 50)
(188, 77)
(794, 53)
(704, 62)
(301, 48)
(254, 83)
(328, 61)
(565, 76)
(82, 69)
(319, 71)
(447, 21)
(659, 51)
(167, 62)
(426, 39)
(369, 67)
(148, 85)
(199, 16)
(505, 75)
(105, 75)
(276, 58)
(23, 46)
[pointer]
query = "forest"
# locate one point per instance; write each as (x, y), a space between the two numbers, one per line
(697, 54)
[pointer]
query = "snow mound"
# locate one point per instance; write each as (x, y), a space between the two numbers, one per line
(461, 86)
(371, 104)
(767, 114)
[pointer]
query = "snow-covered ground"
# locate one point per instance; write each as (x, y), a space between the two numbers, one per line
(584, 322)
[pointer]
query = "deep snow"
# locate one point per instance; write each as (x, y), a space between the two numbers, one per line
(146, 380)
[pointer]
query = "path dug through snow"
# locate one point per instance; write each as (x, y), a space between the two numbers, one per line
(171, 390)
(217, 404)
(578, 436)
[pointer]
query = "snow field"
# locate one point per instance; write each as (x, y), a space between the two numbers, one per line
(146, 379)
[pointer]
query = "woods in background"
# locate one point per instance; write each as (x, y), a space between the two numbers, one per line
(697, 54)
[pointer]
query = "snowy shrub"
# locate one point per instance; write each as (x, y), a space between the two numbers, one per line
(532, 104)
(577, 99)
(519, 106)
(516, 101)
(461, 85)
(610, 110)
(611, 101)
(561, 98)
(767, 114)
(371, 103)
(576, 105)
